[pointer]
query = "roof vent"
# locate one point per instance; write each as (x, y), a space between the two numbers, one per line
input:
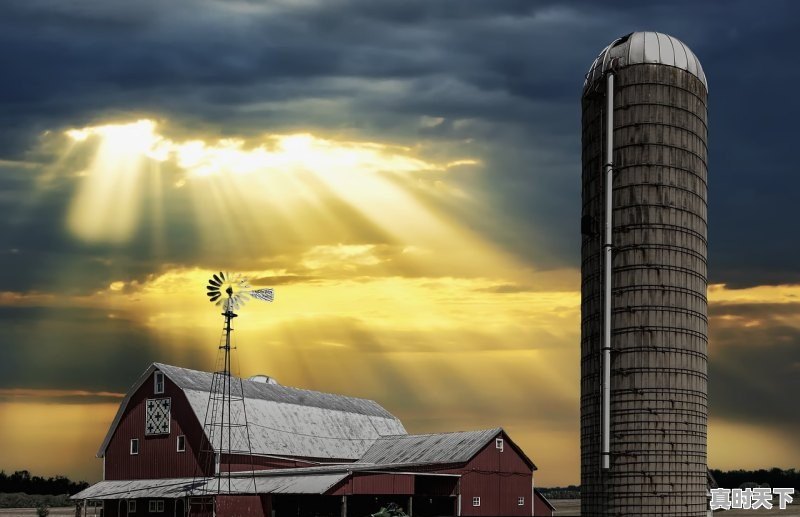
(263, 379)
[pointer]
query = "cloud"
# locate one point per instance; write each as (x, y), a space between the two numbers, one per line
(384, 275)
(754, 352)
(57, 396)
(502, 77)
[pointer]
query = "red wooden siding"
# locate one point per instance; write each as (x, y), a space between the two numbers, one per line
(499, 479)
(540, 507)
(375, 484)
(158, 456)
(240, 505)
(119, 508)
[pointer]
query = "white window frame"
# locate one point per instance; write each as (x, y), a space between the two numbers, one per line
(131, 506)
(476, 501)
(498, 444)
(181, 437)
(134, 441)
(155, 506)
(521, 501)
(158, 387)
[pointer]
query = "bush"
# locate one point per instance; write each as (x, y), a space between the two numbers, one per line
(42, 510)
(22, 500)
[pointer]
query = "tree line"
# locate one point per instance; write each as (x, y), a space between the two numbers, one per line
(22, 481)
(774, 477)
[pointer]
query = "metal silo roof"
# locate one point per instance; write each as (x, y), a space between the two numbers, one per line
(646, 47)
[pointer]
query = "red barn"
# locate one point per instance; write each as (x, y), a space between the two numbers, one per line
(541, 506)
(312, 454)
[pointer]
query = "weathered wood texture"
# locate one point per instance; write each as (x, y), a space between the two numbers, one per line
(659, 305)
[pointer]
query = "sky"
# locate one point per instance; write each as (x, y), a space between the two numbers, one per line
(405, 174)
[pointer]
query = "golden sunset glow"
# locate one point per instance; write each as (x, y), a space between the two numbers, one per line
(41, 446)
(381, 290)
(412, 181)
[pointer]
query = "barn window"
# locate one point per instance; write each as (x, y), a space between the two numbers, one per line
(134, 446)
(156, 506)
(476, 501)
(158, 381)
(131, 507)
(498, 444)
(181, 443)
(520, 501)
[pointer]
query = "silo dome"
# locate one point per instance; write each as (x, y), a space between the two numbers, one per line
(263, 379)
(645, 47)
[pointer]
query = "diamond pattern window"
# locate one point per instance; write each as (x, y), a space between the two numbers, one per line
(157, 416)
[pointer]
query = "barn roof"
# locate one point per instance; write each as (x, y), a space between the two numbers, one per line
(437, 448)
(182, 487)
(283, 421)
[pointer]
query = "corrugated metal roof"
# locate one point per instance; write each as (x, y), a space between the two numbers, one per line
(646, 47)
(347, 467)
(181, 487)
(456, 447)
(283, 421)
(187, 379)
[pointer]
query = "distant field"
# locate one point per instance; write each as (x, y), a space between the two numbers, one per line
(572, 508)
(27, 512)
(567, 506)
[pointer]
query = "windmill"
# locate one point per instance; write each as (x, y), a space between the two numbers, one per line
(225, 422)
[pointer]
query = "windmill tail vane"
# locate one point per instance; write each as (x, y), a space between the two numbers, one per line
(266, 295)
(237, 289)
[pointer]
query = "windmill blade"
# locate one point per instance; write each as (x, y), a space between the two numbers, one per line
(266, 295)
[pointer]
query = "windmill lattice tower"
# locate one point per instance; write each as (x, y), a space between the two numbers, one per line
(225, 423)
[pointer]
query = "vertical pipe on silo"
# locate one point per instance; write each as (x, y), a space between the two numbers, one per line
(605, 451)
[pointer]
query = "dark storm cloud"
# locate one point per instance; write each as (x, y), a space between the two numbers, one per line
(754, 370)
(76, 348)
(504, 74)
(37, 252)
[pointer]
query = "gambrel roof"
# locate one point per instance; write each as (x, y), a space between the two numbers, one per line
(282, 421)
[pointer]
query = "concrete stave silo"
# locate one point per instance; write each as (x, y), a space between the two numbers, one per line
(658, 311)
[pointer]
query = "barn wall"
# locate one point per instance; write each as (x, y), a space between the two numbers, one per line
(158, 456)
(119, 508)
(540, 508)
(376, 484)
(243, 506)
(499, 479)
